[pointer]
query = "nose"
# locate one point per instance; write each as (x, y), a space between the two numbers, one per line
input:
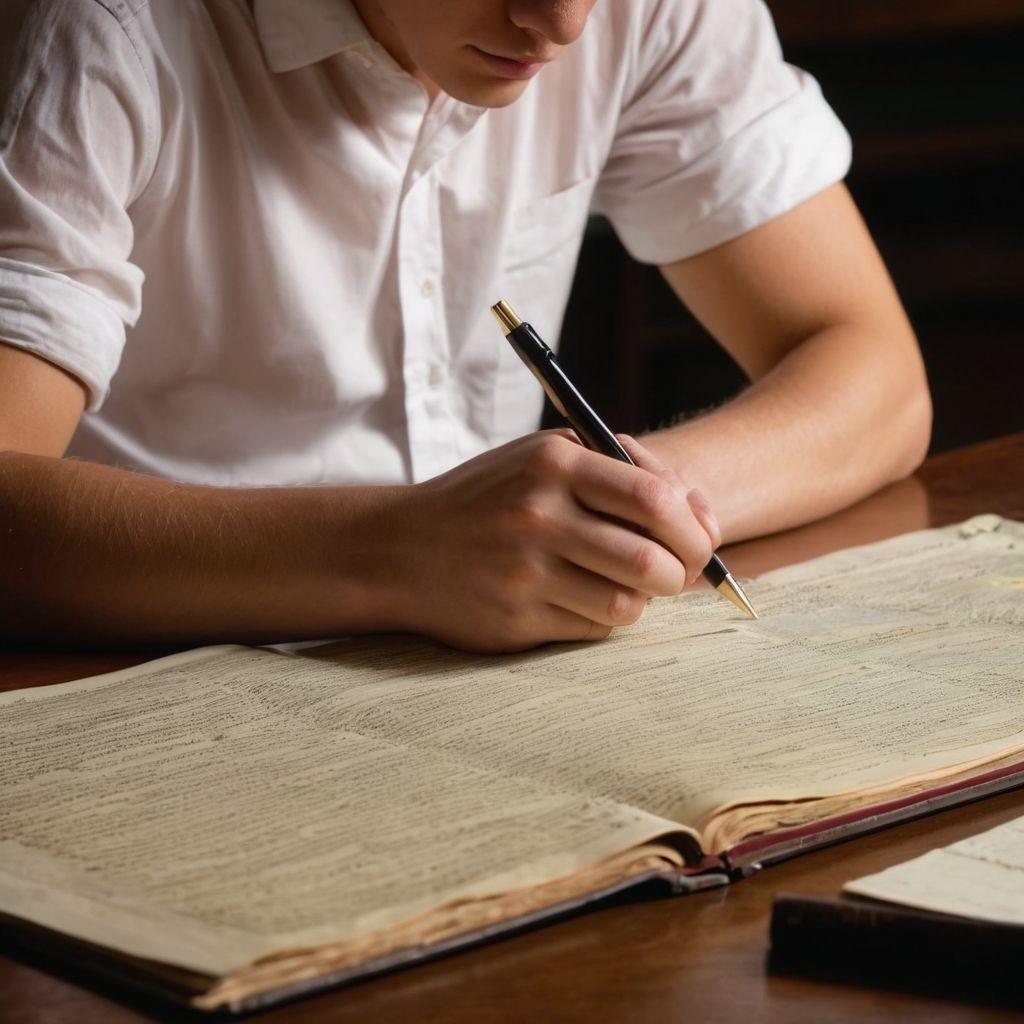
(559, 21)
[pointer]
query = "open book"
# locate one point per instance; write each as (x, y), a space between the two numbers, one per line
(239, 825)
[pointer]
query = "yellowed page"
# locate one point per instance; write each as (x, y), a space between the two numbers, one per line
(981, 877)
(453, 919)
(212, 808)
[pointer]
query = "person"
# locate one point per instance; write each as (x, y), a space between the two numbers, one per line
(250, 388)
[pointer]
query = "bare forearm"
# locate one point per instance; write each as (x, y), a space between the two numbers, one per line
(89, 553)
(837, 418)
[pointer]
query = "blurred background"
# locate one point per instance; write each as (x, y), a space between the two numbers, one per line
(932, 92)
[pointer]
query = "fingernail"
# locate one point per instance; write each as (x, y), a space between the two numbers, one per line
(699, 503)
(702, 510)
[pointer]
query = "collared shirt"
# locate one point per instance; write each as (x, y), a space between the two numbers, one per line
(269, 257)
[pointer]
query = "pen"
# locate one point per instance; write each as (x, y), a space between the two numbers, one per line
(588, 425)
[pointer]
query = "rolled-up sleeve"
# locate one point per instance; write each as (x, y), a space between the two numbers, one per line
(77, 130)
(718, 134)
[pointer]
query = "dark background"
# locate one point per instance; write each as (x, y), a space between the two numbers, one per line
(932, 92)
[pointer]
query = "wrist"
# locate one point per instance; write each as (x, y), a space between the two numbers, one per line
(359, 546)
(326, 567)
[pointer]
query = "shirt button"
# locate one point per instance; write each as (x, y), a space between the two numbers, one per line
(428, 288)
(435, 375)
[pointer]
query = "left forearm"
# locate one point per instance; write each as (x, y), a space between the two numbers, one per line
(837, 418)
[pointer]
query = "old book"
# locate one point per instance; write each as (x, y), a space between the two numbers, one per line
(238, 825)
(866, 942)
(950, 922)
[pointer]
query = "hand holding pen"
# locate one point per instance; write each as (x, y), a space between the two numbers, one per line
(539, 540)
(591, 430)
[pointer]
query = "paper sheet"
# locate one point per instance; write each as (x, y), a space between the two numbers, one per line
(981, 877)
(213, 807)
(208, 809)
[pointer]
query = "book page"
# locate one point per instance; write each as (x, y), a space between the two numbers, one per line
(866, 666)
(981, 877)
(208, 809)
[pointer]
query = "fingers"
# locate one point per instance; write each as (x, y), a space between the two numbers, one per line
(593, 597)
(561, 625)
(550, 624)
(651, 497)
(551, 542)
(646, 459)
(623, 556)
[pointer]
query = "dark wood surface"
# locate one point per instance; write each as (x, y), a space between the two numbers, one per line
(700, 957)
(813, 21)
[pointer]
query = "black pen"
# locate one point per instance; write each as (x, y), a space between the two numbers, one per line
(588, 425)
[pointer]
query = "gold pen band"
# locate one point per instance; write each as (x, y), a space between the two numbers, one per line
(503, 314)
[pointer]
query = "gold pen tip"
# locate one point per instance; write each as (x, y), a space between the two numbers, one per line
(731, 589)
(505, 316)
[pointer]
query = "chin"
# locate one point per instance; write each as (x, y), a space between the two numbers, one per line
(485, 92)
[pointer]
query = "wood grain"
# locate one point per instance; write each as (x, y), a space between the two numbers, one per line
(700, 957)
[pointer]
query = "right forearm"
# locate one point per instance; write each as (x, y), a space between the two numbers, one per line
(539, 540)
(94, 554)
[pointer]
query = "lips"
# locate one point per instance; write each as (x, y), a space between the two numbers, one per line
(510, 67)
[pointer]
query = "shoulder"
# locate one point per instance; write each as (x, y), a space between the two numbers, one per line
(644, 38)
(80, 28)
(64, 37)
(35, 24)
(52, 50)
(137, 48)
(644, 29)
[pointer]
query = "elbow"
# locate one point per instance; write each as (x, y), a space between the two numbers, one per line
(914, 417)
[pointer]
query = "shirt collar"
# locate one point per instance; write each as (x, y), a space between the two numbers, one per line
(294, 33)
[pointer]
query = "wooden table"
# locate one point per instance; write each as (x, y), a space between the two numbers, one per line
(698, 958)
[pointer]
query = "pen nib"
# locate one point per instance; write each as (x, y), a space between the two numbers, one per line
(731, 589)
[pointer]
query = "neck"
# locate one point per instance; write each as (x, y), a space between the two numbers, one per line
(383, 29)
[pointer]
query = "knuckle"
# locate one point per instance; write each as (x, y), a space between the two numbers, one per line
(625, 607)
(548, 456)
(523, 578)
(655, 497)
(645, 560)
(676, 482)
(530, 517)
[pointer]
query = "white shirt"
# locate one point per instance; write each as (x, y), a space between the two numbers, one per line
(270, 259)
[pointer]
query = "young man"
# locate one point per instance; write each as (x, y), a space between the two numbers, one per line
(323, 198)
